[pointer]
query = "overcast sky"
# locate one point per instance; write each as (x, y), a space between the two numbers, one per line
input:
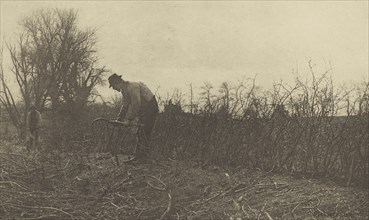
(173, 44)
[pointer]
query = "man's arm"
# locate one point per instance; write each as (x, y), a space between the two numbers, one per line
(134, 108)
(124, 108)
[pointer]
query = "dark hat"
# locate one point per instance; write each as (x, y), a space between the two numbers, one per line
(114, 78)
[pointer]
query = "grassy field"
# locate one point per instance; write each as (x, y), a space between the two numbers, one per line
(72, 186)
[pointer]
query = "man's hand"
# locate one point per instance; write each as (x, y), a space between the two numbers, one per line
(118, 122)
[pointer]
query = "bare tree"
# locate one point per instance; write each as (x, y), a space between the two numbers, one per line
(52, 60)
(8, 102)
(65, 56)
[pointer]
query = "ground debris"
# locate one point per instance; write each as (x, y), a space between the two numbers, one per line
(41, 186)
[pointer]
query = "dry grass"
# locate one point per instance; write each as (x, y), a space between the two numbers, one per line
(61, 186)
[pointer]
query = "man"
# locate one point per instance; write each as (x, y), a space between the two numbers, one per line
(34, 123)
(139, 105)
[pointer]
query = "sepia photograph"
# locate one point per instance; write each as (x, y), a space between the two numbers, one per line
(184, 110)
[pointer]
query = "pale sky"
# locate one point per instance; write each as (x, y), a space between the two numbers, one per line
(173, 44)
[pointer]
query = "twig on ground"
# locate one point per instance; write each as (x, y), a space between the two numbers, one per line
(268, 216)
(169, 207)
(244, 211)
(40, 207)
(40, 217)
(11, 183)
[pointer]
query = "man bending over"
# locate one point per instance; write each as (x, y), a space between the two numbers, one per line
(139, 105)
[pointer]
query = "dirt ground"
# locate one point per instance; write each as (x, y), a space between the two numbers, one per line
(71, 186)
